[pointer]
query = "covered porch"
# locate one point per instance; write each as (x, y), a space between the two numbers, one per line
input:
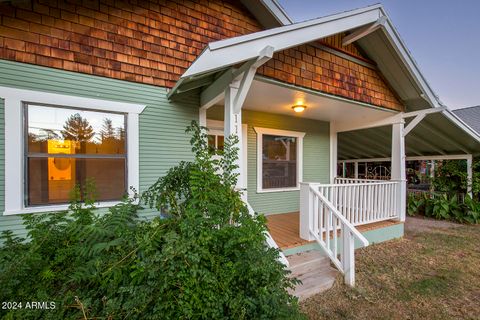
(288, 161)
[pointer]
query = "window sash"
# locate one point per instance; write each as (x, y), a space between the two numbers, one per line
(28, 155)
(271, 183)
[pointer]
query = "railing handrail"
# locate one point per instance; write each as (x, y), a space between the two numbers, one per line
(339, 216)
(360, 179)
(377, 182)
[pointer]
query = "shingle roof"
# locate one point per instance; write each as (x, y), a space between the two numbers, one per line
(471, 116)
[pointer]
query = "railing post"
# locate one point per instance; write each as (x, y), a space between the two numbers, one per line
(306, 212)
(348, 256)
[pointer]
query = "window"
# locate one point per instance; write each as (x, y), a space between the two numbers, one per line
(279, 155)
(215, 142)
(279, 161)
(45, 156)
(66, 147)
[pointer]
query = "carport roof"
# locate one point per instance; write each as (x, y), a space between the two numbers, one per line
(441, 133)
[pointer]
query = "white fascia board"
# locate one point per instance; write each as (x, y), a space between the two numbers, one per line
(407, 58)
(239, 49)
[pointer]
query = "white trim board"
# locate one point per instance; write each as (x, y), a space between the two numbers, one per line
(412, 158)
(14, 136)
(275, 132)
(217, 127)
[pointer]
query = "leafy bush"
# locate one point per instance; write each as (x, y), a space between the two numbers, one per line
(443, 206)
(451, 177)
(207, 260)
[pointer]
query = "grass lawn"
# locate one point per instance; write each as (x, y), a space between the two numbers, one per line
(432, 273)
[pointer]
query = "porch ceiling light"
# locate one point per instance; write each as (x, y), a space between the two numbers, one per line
(299, 108)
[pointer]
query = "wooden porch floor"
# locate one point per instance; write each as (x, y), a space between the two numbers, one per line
(285, 229)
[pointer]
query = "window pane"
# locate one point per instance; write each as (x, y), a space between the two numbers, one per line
(211, 143)
(50, 180)
(279, 156)
(71, 131)
(220, 143)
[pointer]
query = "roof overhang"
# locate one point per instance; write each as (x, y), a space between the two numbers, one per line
(378, 38)
(437, 134)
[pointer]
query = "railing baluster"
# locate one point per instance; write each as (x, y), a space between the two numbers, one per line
(335, 230)
(327, 228)
(321, 220)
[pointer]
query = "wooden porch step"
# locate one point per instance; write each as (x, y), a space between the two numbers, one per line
(315, 272)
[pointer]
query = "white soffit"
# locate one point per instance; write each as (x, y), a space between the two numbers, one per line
(273, 98)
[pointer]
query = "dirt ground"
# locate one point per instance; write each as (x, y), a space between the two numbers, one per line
(432, 273)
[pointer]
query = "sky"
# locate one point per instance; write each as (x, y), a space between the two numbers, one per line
(443, 37)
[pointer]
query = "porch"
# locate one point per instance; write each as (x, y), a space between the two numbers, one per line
(280, 148)
(285, 230)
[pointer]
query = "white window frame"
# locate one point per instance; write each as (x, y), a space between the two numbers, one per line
(275, 132)
(216, 127)
(14, 142)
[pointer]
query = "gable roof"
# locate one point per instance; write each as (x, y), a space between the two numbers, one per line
(384, 45)
(471, 116)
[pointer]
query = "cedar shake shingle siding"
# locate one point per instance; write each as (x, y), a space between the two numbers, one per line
(144, 41)
(311, 67)
(154, 42)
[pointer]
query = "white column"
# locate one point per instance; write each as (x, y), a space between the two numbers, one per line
(469, 174)
(202, 117)
(356, 169)
(333, 153)
(233, 126)
(398, 166)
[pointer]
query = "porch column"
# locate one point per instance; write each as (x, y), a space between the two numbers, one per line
(233, 126)
(333, 153)
(398, 166)
(202, 117)
(469, 174)
(356, 169)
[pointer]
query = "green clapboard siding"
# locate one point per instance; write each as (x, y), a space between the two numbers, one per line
(163, 142)
(316, 151)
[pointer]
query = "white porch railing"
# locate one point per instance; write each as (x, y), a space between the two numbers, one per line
(339, 180)
(363, 201)
(329, 212)
(327, 226)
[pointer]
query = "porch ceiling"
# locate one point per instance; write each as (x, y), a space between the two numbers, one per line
(276, 97)
(437, 134)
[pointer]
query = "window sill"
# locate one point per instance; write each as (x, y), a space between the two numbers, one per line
(278, 190)
(54, 208)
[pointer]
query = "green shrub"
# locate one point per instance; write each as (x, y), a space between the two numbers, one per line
(206, 260)
(443, 206)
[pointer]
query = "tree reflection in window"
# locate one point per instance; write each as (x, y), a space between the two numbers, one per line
(68, 146)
